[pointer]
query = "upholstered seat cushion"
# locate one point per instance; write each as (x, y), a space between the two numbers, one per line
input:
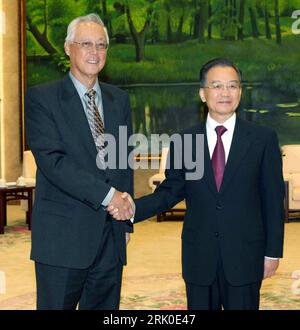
(29, 171)
(296, 194)
(291, 173)
(296, 179)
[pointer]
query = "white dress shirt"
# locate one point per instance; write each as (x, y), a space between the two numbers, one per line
(226, 137)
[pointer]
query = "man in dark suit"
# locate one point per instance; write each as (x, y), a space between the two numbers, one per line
(78, 249)
(233, 228)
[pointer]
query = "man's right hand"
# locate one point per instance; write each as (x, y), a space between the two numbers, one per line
(121, 206)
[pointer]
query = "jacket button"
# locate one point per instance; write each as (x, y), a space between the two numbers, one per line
(216, 233)
(219, 207)
(107, 181)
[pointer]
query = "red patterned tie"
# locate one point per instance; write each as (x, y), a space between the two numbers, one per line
(218, 157)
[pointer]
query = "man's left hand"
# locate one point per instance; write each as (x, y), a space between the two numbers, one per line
(271, 266)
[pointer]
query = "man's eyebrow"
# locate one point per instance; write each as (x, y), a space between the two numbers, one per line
(87, 39)
(234, 80)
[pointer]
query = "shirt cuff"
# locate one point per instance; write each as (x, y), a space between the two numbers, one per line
(108, 197)
(271, 258)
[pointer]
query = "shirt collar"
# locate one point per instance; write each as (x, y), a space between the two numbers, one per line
(228, 124)
(82, 89)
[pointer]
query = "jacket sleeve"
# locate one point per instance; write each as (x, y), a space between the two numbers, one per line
(170, 192)
(272, 194)
(128, 225)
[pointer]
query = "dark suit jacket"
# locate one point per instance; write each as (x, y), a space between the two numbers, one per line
(68, 218)
(243, 222)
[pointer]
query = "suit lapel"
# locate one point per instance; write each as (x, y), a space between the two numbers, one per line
(112, 120)
(74, 113)
(111, 116)
(241, 141)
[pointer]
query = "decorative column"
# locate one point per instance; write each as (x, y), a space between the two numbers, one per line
(10, 88)
(2, 32)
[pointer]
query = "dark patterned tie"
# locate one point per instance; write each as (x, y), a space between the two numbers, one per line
(218, 157)
(95, 121)
(96, 126)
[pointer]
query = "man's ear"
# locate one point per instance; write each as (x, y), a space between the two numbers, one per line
(67, 48)
(240, 92)
(202, 96)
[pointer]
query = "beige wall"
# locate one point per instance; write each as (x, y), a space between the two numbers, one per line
(10, 91)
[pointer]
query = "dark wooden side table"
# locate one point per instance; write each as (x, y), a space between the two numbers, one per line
(12, 194)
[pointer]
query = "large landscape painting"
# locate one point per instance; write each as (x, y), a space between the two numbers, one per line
(158, 46)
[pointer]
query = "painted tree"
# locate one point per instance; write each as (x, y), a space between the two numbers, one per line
(155, 35)
(253, 19)
(139, 38)
(196, 18)
(203, 4)
(228, 19)
(37, 23)
(215, 11)
(200, 19)
(260, 8)
(139, 14)
(277, 22)
(209, 20)
(47, 21)
(167, 5)
(267, 23)
(182, 9)
(104, 12)
(241, 18)
(176, 13)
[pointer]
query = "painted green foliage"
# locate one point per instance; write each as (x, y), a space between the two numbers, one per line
(165, 40)
(164, 21)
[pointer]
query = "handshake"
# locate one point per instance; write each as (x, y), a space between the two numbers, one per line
(121, 206)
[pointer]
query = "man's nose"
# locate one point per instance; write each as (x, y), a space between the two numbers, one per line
(225, 90)
(93, 48)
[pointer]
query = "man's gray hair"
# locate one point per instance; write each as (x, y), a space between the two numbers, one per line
(84, 19)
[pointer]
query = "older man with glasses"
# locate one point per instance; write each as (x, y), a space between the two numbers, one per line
(232, 234)
(78, 249)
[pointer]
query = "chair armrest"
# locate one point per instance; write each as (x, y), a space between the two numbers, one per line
(29, 181)
(287, 177)
(155, 178)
